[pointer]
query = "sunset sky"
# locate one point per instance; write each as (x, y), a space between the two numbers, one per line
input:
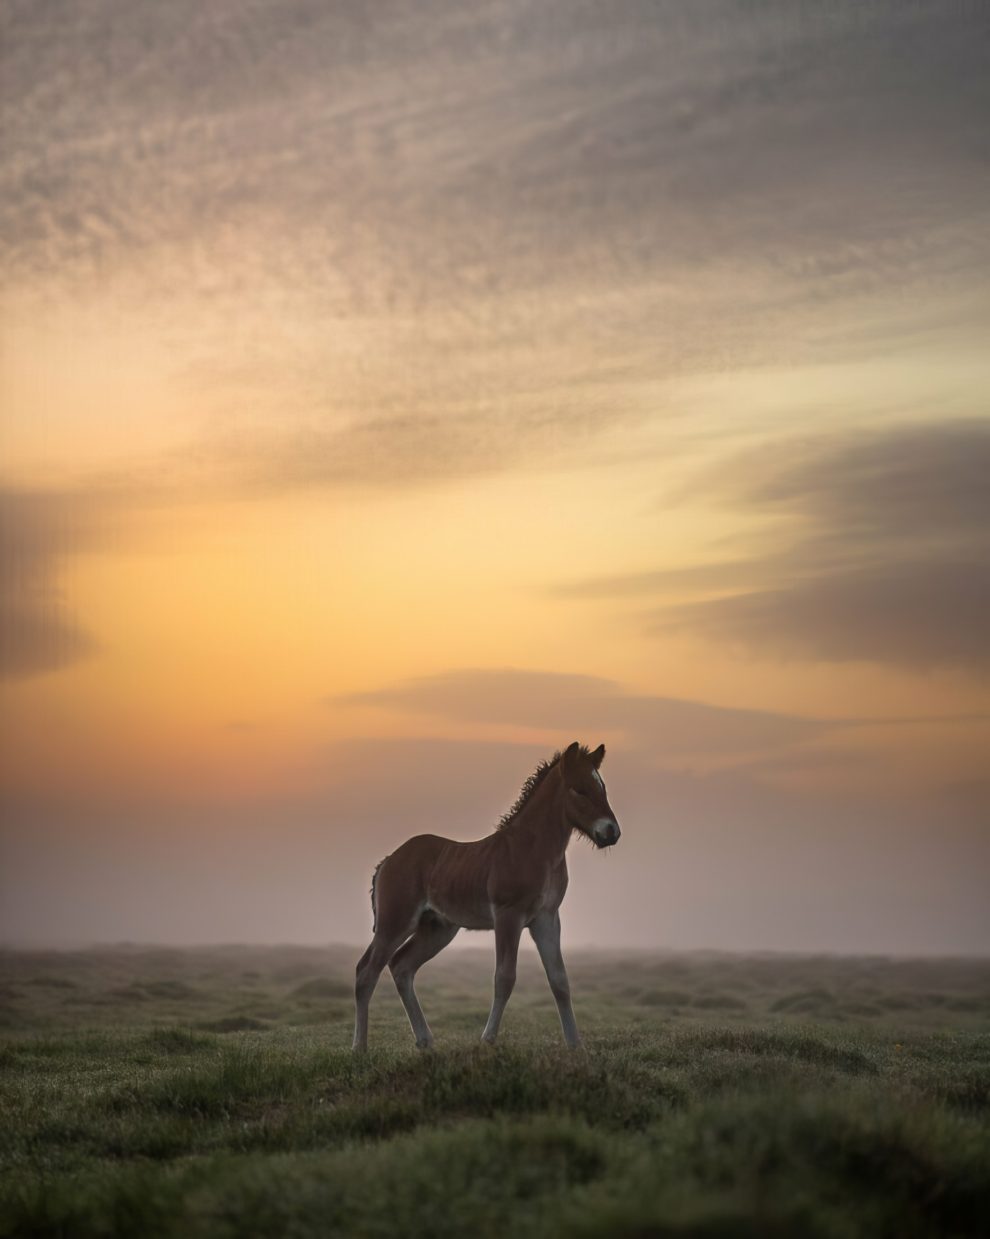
(395, 393)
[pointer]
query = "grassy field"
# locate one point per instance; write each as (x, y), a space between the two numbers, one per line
(155, 1092)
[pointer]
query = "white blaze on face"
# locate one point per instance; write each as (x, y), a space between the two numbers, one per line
(598, 779)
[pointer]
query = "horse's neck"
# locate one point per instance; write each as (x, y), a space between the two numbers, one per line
(543, 821)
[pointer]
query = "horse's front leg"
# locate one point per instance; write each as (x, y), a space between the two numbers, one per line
(508, 931)
(545, 931)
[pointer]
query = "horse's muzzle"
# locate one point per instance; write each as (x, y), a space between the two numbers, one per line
(605, 832)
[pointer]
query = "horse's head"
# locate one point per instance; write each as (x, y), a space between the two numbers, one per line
(585, 799)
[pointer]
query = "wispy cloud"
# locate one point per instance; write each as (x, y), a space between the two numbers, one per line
(882, 552)
(407, 450)
(904, 485)
(584, 704)
(916, 614)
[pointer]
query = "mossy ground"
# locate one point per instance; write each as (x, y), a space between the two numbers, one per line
(212, 1093)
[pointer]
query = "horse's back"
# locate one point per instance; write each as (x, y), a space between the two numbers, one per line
(417, 849)
(411, 857)
(446, 875)
(422, 855)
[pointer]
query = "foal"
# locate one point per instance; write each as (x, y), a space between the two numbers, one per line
(514, 879)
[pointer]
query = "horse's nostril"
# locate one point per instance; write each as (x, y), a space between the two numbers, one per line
(606, 834)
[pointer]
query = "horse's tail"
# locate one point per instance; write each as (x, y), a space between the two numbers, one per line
(374, 901)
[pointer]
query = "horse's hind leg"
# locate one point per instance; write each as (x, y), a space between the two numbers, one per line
(398, 898)
(369, 969)
(431, 936)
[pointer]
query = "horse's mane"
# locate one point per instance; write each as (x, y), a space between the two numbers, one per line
(527, 790)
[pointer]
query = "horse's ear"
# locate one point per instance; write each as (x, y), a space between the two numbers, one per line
(567, 760)
(598, 756)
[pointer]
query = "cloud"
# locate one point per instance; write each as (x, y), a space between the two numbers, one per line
(38, 631)
(915, 614)
(412, 449)
(401, 451)
(584, 705)
(881, 552)
(907, 484)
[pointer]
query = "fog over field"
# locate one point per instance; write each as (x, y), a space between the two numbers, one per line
(704, 861)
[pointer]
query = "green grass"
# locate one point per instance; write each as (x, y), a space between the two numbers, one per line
(213, 1093)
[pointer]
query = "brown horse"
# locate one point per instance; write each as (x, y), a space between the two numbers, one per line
(514, 879)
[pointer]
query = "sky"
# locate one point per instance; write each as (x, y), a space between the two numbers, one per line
(394, 394)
